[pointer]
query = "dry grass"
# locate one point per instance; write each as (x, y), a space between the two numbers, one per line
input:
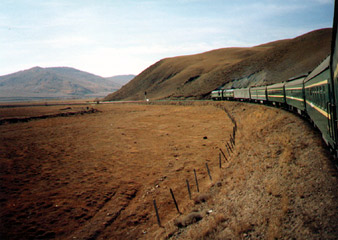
(189, 219)
(201, 198)
(277, 185)
(97, 174)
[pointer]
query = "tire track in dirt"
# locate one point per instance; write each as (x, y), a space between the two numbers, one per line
(94, 176)
(27, 119)
(107, 214)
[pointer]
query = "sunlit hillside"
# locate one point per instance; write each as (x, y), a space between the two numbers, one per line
(195, 76)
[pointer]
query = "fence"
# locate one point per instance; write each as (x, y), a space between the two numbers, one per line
(229, 147)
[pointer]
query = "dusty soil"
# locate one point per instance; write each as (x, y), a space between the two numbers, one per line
(25, 114)
(95, 176)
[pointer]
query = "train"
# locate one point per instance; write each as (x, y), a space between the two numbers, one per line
(314, 96)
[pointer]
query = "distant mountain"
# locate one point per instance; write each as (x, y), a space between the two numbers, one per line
(55, 82)
(195, 76)
(121, 79)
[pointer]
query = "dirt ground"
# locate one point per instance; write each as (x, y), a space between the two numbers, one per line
(95, 176)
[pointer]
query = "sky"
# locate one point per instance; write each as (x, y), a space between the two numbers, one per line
(114, 37)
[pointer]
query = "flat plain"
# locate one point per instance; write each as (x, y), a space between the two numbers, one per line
(95, 175)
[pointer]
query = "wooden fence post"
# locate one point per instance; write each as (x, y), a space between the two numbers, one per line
(223, 154)
(229, 147)
(172, 194)
(232, 140)
(188, 186)
(220, 160)
(157, 216)
(206, 164)
(198, 190)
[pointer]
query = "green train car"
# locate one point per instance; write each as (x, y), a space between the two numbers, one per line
(314, 96)
(276, 94)
(217, 95)
(333, 105)
(295, 94)
(258, 94)
(317, 97)
(228, 94)
(242, 94)
(222, 94)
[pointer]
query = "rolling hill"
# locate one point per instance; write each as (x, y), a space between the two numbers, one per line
(195, 76)
(56, 82)
(121, 79)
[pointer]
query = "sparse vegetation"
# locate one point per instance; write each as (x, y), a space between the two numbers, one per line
(95, 176)
(201, 198)
(189, 219)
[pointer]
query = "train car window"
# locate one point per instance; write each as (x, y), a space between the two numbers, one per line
(321, 96)
(318, 94)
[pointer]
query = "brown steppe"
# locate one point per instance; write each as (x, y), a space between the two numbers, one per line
(95, 176)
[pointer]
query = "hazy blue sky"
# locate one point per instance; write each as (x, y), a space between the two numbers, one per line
(111, 37)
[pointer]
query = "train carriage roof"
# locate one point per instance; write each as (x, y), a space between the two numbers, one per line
(294, 82)
(258, 88)
(298, 77)
(321, 67)
(276, 85)
(241, 89)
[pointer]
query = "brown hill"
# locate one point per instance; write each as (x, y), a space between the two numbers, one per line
(121, 80)
(195, 76)
(54, 82)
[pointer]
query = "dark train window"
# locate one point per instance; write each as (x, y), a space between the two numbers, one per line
(321, 96)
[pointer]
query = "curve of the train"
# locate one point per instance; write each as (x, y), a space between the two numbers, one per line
(314, 95)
